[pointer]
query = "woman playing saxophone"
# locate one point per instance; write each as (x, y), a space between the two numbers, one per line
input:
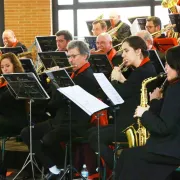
(160, 156)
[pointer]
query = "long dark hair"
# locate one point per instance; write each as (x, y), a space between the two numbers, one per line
(137, 42)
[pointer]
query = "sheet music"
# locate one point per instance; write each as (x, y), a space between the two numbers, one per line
(108, 89)
(83, 99)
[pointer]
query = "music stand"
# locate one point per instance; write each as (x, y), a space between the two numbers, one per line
(26, 86)
(46, 43)
(16, 50)
(138, 25)
(163, 44)
(100, 64)
(91, 40)
(51, 59)
(175, 19)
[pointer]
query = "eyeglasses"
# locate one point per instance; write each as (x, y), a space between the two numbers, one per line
(72, 56)
(149, 27)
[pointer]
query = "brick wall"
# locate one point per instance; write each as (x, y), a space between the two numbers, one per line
(28, 18)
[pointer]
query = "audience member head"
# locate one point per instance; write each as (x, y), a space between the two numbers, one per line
(114, 17)
(98, 27)
(78, 53)
(104, 42)
(147, 37)
(63, 37)
(10, 64)
(173, 63)
(8, 38)
(134, 50)
(153, 24)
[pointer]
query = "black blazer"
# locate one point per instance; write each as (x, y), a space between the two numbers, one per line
(130, 91)
(164, 127)
(22, 45)
(80, 119)
(14, 111)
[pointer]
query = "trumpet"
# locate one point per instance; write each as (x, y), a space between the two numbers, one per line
(122, 67)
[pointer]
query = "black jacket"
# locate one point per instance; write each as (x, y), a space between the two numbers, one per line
(164, 127)
(130, 91)
(22, 45)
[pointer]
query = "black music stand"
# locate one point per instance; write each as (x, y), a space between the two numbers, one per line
(26, 86)
(175, 19)
(91, 40)
(100, 64)
(46, 43)
(16, 50)
(51, 59)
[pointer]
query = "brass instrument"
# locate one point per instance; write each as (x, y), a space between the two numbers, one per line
(122, 66)
(167, 28)
(171, 5)
(139, 137)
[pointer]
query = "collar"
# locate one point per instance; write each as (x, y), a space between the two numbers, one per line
(82, 69)
(2, 84)
(15, 43)
(144, 61)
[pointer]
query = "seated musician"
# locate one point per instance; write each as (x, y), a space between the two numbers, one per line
(104, 45)
(153, 25)
(10, 40)
(63, 37)
(46, 136)
(123, 30)
(98, 27)
(13, 116)
(160, 156)
(134, 54)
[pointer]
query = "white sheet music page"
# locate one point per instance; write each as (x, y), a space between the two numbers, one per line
(108, 89)
(83, 99)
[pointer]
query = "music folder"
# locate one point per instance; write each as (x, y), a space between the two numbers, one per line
(16, 50)
(83, 99)
(55, 58)
(91, 40)
(100, 64)
(156, 61)
(175, 19)
(60, 78)
(46, 43)
(25, 86)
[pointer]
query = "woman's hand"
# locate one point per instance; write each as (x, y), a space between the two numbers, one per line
(156, 94)
(117, 75)
(140, 110)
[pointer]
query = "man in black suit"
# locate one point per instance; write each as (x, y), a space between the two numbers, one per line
(48, 135)
(160, 156)
(10, 40)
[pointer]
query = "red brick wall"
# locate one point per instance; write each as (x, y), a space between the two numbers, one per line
(28, 18)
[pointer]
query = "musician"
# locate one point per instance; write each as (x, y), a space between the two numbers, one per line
(10, 40)
(98, 27)
(63, 37)
(160, 156)
(47, 136)
(135, 54)
(13, 115)
(104, 45)
(153, 24)
(124, 29)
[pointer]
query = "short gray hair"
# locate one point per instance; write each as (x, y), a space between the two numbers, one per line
(80, 45)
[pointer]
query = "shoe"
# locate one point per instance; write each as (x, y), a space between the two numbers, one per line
(51, 176)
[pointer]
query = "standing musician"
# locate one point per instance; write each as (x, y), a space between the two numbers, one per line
(10, 40)
(160, 156)
(98, 27)
(12, 112)
(63, 37)
(134, 54)
(46, 136)
(123, 30)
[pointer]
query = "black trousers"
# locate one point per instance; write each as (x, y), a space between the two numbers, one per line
(106, 138)
(138, 164)
(46, 142)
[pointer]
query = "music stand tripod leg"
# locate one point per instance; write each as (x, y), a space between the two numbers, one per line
(31, 154)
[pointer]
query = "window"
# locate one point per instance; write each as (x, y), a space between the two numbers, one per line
(65, 2)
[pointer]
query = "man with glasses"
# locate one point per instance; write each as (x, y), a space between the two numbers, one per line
(153, 25)
(46, 136)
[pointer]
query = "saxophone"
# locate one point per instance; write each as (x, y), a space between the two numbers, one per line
(139, 137)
